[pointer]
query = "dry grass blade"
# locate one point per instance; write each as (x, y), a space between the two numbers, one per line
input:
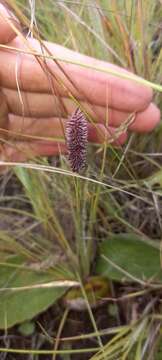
(52, 284)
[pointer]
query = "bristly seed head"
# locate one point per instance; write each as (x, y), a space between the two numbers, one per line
(76, 139)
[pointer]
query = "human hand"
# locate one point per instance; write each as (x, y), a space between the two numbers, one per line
(39, 104)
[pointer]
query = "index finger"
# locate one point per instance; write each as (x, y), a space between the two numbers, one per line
(7, 34)
(96, 87)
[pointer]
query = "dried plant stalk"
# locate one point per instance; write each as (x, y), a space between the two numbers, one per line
(76, 139)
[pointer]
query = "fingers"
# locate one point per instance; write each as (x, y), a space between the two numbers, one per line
(101, 134)
(7, 33)
(96, 87)
(146, 120)
(43, 105)
(22, 151)
(3, 111)
(56, 127)
(46, 105)
(44, 127)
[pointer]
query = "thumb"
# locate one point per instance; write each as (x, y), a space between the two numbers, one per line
(7, 33)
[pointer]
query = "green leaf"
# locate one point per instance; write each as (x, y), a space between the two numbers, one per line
(27, 328)
(155, 179)
(158, 354)
(20, 305)
(128, 257)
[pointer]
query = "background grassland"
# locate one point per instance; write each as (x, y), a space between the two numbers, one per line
(53, 222)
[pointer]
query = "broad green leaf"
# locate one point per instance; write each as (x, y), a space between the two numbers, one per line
(155, 179)
(19, 306)
(127, 257)
(158, 354)
(27, 328)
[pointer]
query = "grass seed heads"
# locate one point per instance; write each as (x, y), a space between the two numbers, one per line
(77, 139)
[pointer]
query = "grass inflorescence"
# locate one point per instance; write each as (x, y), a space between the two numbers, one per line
(54, 220)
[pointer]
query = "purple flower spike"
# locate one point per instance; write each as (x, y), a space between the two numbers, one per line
(77, 139)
